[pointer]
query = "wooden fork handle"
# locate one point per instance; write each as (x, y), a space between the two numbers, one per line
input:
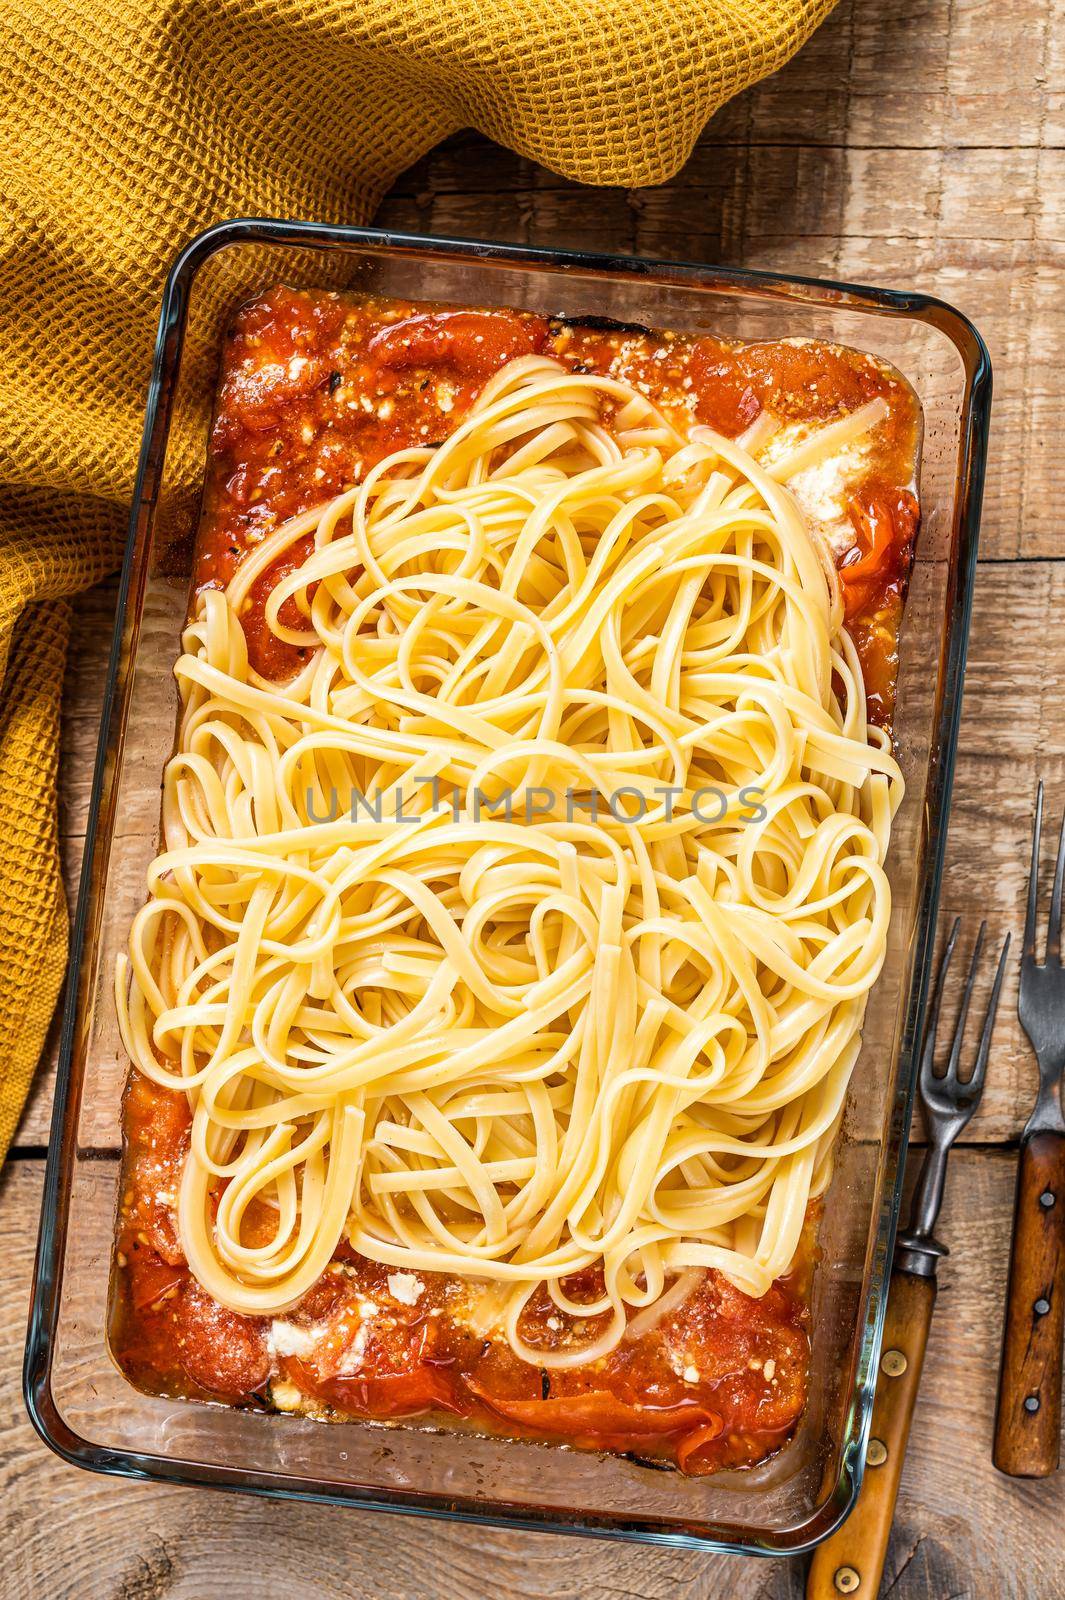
(851, 1561)
(1028, 1420)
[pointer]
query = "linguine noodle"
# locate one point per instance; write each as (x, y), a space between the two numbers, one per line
(529, 927)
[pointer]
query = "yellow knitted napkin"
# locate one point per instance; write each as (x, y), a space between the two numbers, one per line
(126, 126)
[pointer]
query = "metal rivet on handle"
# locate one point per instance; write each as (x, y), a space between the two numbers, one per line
(847, 1580)
(894, 1363)
(1031, 1404)
(1046, 1199)
(877, 1453)
(1041, 1307)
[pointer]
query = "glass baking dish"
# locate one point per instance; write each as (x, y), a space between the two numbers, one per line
(80, 1403)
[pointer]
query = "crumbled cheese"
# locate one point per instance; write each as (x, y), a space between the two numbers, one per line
(285, 1396)
(405, 1287)
(823, 490)
(769, 1368)
(690, 1375)
(554, 1324)
(286, 1339)
(480, 1309)
(351, 1360)
(445, 396)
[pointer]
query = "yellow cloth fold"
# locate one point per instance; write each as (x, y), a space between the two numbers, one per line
(126, 126)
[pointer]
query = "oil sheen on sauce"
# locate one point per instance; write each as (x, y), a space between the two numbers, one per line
(315, 388)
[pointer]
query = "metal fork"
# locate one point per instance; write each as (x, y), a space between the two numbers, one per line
(948, 1101)
(852, 1560)
(1028, 1420)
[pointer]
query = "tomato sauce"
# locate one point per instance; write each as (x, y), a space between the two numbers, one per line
(315, 388)
(719, 1380)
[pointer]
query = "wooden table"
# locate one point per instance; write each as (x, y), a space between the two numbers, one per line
(916, 145)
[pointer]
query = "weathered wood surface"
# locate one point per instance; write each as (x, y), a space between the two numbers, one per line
(961, 1528)
(920, 146)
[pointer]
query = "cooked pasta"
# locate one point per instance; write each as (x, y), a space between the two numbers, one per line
(529, 927)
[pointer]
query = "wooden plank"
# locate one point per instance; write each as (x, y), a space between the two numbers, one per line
(978, 227)
(917, 144)
(922, 74)
(1011, 733)
(901, 148)
(962, 1529)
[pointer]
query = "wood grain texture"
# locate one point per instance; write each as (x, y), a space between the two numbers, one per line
(1028, 1421)
(961, 1528)
(854, 1556)
(916, 144)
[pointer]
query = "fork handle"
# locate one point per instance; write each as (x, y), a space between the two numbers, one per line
(1028, 1420)
(851, 1560)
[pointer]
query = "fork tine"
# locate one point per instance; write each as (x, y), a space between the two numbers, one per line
(1054, 929)
(1033, 876)
(928, 1048)
(976, 1082)
(963, 1011)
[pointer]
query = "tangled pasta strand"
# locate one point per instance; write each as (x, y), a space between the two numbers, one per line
(530, 926)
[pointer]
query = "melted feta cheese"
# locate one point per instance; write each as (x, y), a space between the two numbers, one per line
(285, 1396)
(823, 490)
(286, 1339)
(351, 1360)
(404, 1287)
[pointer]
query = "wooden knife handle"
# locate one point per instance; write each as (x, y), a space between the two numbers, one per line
(851, 1561)
(1028, 1420)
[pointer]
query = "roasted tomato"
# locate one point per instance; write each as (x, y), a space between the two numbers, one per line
(472, 343)
(158, 1122)
(599, 1419)
(885, 522)
(371, 1359)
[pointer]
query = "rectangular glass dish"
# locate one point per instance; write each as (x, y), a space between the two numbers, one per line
(78, 1400)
